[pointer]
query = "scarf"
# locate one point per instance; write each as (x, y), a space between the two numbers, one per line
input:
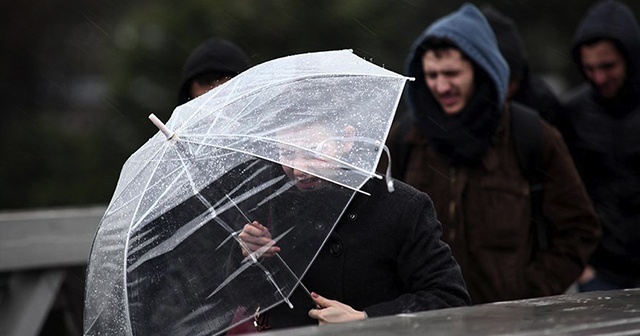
(463, 138)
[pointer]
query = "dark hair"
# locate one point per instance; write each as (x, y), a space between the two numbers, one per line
(438, 45)
(218, 56)
(211, 77)
(592, 41)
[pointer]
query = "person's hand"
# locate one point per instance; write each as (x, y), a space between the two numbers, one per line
(332, 311)
(254, 237)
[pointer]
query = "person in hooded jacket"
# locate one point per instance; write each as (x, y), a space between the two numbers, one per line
(212, 63)
(601, 125)
(524, 87)
(460, 152)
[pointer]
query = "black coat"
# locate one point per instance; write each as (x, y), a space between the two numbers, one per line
(532, 90)
(603, 136)
(606, 150)
(385, 257)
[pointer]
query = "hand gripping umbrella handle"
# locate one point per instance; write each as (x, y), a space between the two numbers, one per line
(161, 126)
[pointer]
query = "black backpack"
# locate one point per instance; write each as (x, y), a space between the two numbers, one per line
(527, 136)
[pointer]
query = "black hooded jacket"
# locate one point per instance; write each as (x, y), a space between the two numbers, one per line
(604, 139)
(532, 90)
(214, 55)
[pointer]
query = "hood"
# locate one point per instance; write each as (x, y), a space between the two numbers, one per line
(509, 42)
(461, 139)
(470, 31)
(214, 55)
(615, 21)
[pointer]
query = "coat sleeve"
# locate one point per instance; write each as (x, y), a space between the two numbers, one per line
(428, 271)
(574, 227)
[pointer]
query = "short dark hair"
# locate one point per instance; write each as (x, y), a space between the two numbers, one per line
(211, 77)
(440, 44)
(590, 42)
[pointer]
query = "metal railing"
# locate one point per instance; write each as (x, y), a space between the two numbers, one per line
(37, 247)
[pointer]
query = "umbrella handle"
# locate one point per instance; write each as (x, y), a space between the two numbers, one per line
(388, 178)
(161, 126)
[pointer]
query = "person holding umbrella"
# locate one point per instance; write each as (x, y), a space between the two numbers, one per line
(168, 254)
(384, 256)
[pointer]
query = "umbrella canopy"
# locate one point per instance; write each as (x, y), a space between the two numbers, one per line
(286, 143)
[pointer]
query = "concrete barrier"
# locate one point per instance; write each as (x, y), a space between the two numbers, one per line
(595, 313)
(36, 249)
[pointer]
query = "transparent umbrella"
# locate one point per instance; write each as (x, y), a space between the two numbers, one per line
(287, 143)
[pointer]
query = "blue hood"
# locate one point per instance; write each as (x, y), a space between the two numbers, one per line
(470, 31)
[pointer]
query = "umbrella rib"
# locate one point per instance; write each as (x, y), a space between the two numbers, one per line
(260, 138)
(243, 197)
(128, 237)
(284, 187)
(275, 284)
(210, 213)
(121, 190)
(282, 82)
(233, 118)
(169, 244)
(237, 207)
(182, 171)
(252, 260)
(230, 278)
(253, 191)
(360, 171)
(209, 97)
(157, 200)
(137, 207)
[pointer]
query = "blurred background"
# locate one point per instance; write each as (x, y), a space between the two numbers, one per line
(79, 78)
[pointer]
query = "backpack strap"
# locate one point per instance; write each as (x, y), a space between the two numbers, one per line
(526, 132)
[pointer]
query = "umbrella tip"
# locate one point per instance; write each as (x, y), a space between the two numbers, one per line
(161, 126)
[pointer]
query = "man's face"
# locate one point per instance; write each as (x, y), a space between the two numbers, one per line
(313, 137)
(605, 67)
(449, 77)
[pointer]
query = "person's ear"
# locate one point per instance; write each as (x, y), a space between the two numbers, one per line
(349, 132)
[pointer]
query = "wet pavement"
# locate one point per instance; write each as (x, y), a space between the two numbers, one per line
(594, 313)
